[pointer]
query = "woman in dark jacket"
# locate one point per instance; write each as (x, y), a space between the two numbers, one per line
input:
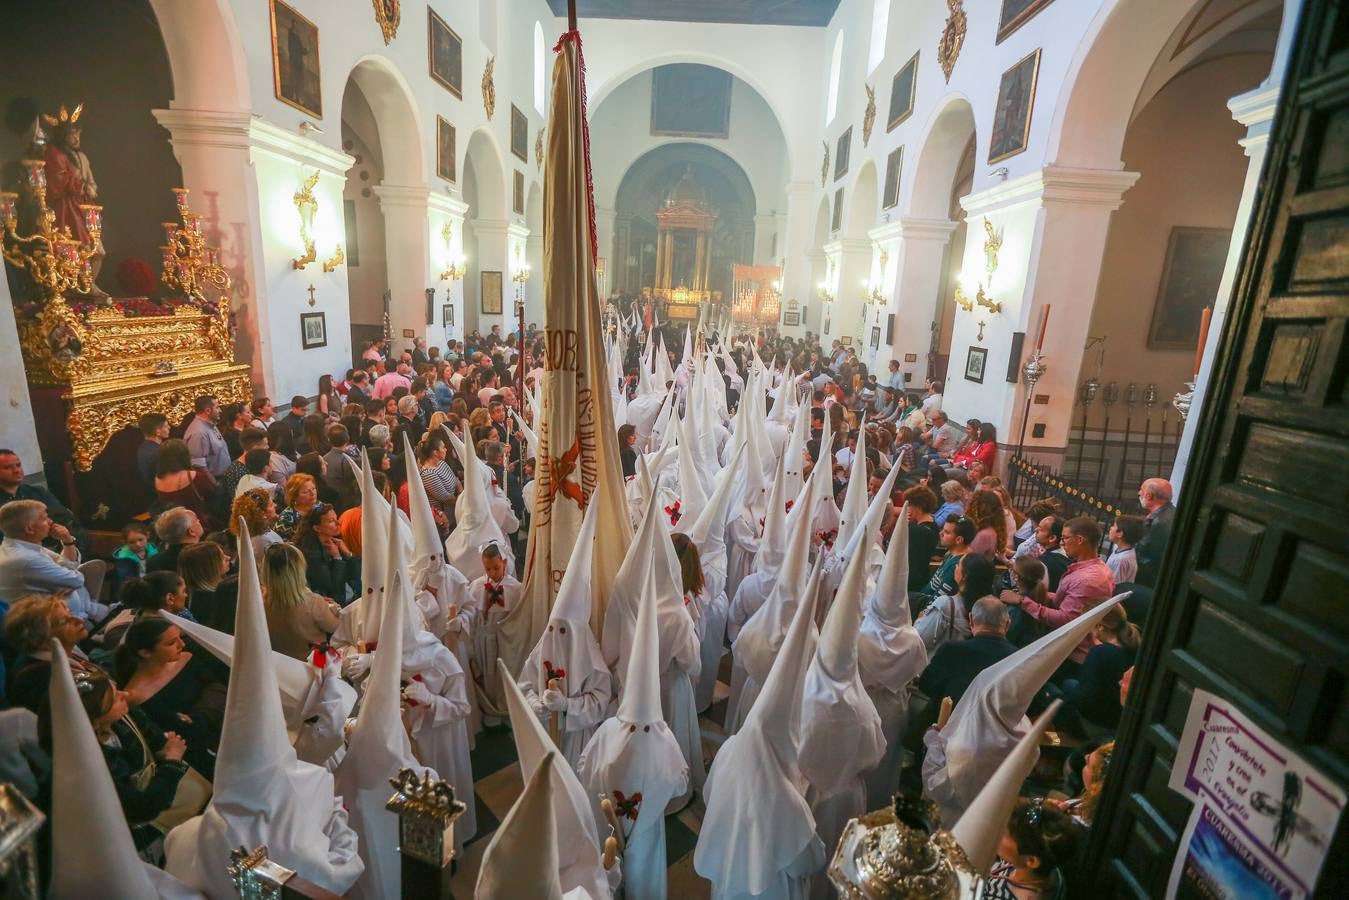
(213, 594)
(146, 764)
(331, 567)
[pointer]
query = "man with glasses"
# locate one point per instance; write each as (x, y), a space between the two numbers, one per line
(1087, 579)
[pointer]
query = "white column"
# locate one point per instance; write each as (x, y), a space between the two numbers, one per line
(407, 254)
(534, 298)
(1255, 110)
(493, 256)
(1053, 225)
(517, 260)
(799, 279)
(916, 248)
(604, 233)
(17, 431)
(445, 210)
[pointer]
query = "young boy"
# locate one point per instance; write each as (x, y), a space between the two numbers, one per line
(129, 559)
(1124, 534)
(492, 597)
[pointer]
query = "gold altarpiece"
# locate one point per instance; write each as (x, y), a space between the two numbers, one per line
(684, 226)
(105, 362)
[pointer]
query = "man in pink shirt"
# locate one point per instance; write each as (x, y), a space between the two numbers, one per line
(385, 383)
(1087, 579)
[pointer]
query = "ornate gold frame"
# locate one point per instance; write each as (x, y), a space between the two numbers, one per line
(868, 117)
(442, 122)
(894, 123)
(952, 38)
(1030, 110)
(431, 22)
(388, 25)
(1007, 29)
(489, 88)
(886, 201)
(276, 61)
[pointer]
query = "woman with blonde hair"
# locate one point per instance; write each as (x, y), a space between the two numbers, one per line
(258, 510)
(297, 618)
(302, 493)
(985, 510)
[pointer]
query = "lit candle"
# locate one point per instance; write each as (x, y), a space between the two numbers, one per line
(1044, 325)
(1203, 338)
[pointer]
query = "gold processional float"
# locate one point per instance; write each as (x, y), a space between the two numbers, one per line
(96, 362)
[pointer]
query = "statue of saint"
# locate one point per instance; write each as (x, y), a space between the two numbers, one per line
(70, 178)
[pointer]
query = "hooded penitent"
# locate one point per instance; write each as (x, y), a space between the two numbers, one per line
(475, 525)
(521, 860)
(578, 844)
(377, 749)
(263, 794)
(990, 718)
(568, 653)
(434, 585)
(93, 854)
(890, 655)
(635, 760)
(758, 835)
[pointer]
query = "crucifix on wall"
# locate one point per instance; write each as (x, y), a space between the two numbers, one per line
(311, 295)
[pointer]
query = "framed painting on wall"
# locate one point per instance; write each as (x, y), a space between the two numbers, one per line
(445, 52)
(903, 91)
(894, 164)
(445, 165)
(447, 314)
(690, 100)
(313, 330)
(875, 337)
(791, 317)
(519, 134)
(975, 364)
(841, 153)
(1195, 258)
(518, 193)
(295, 60)
(836, 221)
(1016, 13)
(1011, 116)
(490, 291)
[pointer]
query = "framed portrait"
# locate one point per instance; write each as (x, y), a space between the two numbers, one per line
(894, 165)
(827, 322)
(875, 337)
(490, 290)
(519, 134)
(518, 193)
(447, 314)
(791, 317)
(1195, 258)
(1011, 116)
(836, 220)
(445, 165)
(975, 363)
(295, 60)
(846, 340)
(352, 233)
(1016, 13)
(903, 90)
(841, 153)
(690, 100)
(313, 330)
(445, 52)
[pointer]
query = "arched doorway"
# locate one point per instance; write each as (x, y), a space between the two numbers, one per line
(644, 189)
(484, 186)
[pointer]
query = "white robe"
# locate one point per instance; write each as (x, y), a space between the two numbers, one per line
(749, 599)
(587, 705)
(440, 732)
(486, 641)
(889, 659)
(709, 617)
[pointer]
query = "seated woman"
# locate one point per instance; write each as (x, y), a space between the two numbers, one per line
(330, 567)
(178, 690)
(156, 591)
(1035, 856)
(297, 618)
(177, 483)
(990, 538)
(212, 593)
(30, 625)
(953, 497)
(947, 617)
(146, 764)
(1091, 701)
(301, 493)
(258, 510)
(981, 448)
(1094, 772)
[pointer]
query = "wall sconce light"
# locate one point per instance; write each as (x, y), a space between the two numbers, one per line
(825, 294)
(457, 266)
(330, 265)
(870, 294)
(521, 274)
(307, 205)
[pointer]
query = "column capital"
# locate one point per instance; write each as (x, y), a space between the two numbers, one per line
(495, 227)
(1054, 185)
(516, 231)
(848, 246)
(240, 130)
(402, 195)
(914, 228)
(1255, 110)
(450, 205)
(798, 188)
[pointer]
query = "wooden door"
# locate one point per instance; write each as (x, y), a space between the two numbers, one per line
(1253, 599)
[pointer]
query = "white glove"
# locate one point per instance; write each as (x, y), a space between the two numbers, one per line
(454, 625)
(554, 700)
(539, 710)
(417, 693)
(355, 665)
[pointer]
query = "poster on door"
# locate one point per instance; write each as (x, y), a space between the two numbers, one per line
(1263, 817)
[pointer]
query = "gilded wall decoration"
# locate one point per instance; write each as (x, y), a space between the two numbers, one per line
(824, 166)
(869, 117)
(388, 14)
(952, 38)
(489, 88)
(538, 148)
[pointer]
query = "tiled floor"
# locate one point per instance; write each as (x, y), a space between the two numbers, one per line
(498, 783)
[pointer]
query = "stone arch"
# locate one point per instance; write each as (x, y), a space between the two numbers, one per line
(484, 177)
(396, 116)
(483, 182)
(940, 152)
(863, 204)
(206, 54)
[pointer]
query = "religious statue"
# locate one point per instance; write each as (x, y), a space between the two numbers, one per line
(489, 88)
(952, 37)
(992, 244)
(70, 178)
